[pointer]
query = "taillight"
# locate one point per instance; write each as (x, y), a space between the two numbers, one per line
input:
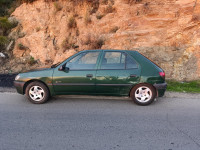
(162, 74)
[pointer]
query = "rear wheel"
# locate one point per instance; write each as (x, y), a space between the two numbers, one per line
(37, 92)
(143, 94)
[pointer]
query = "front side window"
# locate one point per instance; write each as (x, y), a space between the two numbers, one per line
(113, 60)
(83, 61)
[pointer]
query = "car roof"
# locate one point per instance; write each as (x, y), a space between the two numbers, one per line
(109, 50)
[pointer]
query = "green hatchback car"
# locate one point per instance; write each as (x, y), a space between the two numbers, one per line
(96, 72)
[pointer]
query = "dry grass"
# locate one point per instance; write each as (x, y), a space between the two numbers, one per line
(68, 43)
(87, 18)
(37, 29)
(94, 42)
(72, 22)
(114, 29)
(99, 16)
(31, 61)
(21, 46)
(132, 1)
(57, 6)
(109, 9)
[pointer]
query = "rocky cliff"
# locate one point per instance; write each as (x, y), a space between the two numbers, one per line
(166, 31)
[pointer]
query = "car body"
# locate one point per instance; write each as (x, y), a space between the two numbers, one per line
(96, 72)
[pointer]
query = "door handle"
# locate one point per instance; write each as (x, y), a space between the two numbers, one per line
(89, 75)
(133, 75)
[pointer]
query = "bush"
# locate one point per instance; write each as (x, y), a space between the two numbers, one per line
(68, 43)
(99, 16)
(3, 41)
(98, 43)
(109, 9)
(132, 1)
(57, 6)
(87, 18)
(4, 7)
(21, 46)
(37, 29)
(104, 2)
(94, 42)
(114, 29)
(32, 61)
(72, 22)
(5, 24)
(27, 1)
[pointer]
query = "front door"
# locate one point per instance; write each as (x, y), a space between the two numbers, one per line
(117, 73)
(80, 78)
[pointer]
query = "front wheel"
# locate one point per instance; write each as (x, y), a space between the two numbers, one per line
(37, 93)
(143, 94)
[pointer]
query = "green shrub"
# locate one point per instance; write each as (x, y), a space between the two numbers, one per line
(21, 46)
(32, 61)
(4, 7)
(5, 24)
(3, 40)
(27, 1)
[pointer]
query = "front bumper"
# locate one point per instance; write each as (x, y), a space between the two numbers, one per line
(161, 88)
(19, 85)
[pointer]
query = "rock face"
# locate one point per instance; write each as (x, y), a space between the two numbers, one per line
(167, 31)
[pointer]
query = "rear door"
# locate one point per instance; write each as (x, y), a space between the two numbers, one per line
(116, 74)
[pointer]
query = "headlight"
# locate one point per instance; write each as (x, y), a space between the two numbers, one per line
(17, 77)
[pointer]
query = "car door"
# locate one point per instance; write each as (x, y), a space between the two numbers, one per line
(79, 77)
(116, 74)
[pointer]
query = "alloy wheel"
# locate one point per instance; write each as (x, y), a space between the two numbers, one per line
(36, 93)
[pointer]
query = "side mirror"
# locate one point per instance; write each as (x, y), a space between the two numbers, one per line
(66, 69)
(63, 68)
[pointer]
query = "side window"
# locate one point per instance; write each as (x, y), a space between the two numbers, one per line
(83, 61)
(113, 60)
(130, 63)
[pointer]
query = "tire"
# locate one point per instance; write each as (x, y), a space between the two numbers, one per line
(143, 94)
(37, 92)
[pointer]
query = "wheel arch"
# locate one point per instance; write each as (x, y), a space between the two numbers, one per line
(143, 84)
(34, 80)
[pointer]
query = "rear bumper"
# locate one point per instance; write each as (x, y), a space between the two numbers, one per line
(19, 86)
(161, 88)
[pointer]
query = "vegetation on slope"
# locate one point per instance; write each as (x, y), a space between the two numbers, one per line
(186, 87)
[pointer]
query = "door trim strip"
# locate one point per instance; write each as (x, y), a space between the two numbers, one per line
(88, 84)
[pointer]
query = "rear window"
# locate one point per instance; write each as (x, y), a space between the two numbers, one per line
(151, 61)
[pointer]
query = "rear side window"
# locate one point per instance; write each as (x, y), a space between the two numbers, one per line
(113, 60)
(117, 60)
(130, 63)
